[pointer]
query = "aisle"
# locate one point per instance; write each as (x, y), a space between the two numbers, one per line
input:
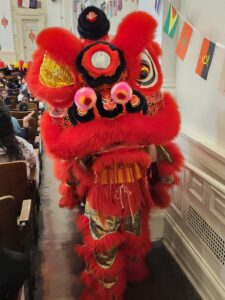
(58, 267)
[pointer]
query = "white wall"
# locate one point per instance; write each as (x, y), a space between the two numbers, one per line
(6, 34)
(149, 7)
(54, 17)
(128, 7)
(201, 104)
(195, 220)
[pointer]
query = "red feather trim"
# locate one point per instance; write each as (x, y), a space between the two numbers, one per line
(133, 129)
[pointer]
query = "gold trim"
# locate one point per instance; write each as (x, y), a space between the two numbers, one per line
(163, 154)
(105, 260)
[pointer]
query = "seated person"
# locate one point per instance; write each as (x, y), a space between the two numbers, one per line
(14, 270)
(13, 147)
(5, 82)
(2, 79)
(24, 131)
(23, 105)
(23, 85)
(5, 98)
(9, 90)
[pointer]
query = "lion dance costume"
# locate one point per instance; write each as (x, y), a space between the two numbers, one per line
(109, 129)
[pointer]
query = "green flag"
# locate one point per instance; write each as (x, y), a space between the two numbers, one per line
(171, 22)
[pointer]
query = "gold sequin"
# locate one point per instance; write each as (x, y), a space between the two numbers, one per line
(133, 225)
(54, 75)
(108, 283)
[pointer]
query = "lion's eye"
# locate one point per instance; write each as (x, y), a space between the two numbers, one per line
(144, 72)
(148, 76)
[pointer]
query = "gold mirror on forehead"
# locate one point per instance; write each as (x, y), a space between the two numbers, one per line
(54, 75)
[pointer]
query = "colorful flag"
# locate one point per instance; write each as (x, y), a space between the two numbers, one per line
(171, 22)
(27, 3)
(184, 41)
(205, 58)
(222, 81)
(158, 6)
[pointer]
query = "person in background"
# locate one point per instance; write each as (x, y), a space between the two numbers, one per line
(14, 270)
(13, 147)
(24, 131)
(5, 98)
(9, 90)
(23, 105)
(4, 82)
(2, 79)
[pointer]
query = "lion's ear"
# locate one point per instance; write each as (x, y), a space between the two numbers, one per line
(52, 76)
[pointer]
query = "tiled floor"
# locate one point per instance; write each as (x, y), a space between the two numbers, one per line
(58, 268)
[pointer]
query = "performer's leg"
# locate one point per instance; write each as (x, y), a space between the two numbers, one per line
(104, 276)
(137, 246)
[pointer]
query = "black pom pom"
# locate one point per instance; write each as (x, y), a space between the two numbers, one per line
(76, 118)
(141, 107)
(108, 113)
(93, 23)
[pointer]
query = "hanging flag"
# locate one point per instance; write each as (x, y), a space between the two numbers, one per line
(205, 58)
(158, 6)
(111, 8)
(184, 41)
(27, 3)
(171, 22)
(222, 81)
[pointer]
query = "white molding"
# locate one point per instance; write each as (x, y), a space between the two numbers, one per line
(192, 263)
(8, 56)
(202, 154)
(156, 224)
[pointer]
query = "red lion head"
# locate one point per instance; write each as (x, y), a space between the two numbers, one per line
(102, 92)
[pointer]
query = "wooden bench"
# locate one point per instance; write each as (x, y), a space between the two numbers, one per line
(14, 182)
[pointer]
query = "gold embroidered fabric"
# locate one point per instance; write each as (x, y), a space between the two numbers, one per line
(112, 224)
(54, 75)
(133, 224)
(97, 227)
(163, 154)
(106, 259)
(108, 283)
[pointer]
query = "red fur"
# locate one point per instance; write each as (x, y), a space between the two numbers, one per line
(112, 240)
(57, 97)
(101, 293)
(142, 26)
(60, 44)
(160, 194)
(68, 47)
(87, 138)
(68, 196)
(82, 150)
(139, 157)
(87, 255)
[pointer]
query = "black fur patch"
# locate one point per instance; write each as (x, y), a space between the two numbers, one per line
(141, 107)
(108, 113)
(93, 30)
(76, 118)
(94, 82)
